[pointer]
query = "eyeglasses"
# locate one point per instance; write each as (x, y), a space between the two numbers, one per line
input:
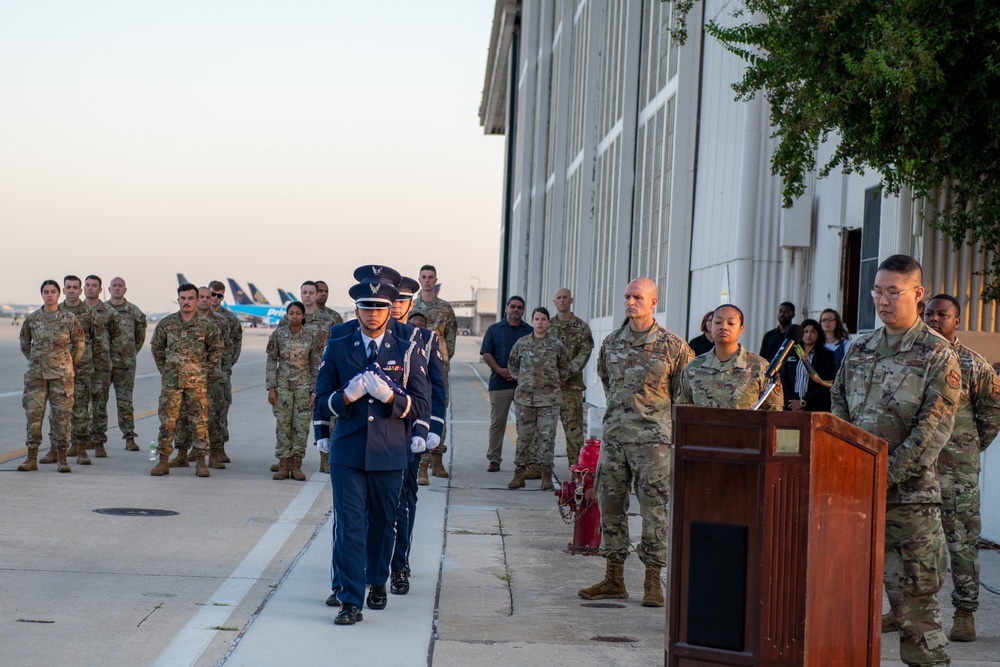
(216, 295)
(833, 319)
(877, 294)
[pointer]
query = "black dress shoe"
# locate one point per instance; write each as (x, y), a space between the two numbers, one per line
(349, 615)
(400, 583)
(333, 600)
(377, 598)
(493, 467)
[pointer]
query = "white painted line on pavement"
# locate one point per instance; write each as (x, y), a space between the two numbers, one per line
(194, 638)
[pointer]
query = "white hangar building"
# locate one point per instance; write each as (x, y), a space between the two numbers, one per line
(627, 155)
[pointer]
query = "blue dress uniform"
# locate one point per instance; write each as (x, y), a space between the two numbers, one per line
(368, 451)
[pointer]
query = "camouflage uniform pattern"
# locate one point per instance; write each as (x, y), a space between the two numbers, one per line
(185, 353)
(540, 366)
(907, 393)
(576, 337)
(133, 323)
(441, 319)
(214, 389)
(93, 333)
(977, 423)
(100, 389)
(736, 383)
(236, 348)
(641, 374)
(292, 366)
(52, 343)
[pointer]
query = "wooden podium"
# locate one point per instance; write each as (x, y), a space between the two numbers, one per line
(776, 547)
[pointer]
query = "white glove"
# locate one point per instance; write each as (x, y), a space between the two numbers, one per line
(418, 445)
(433, 440)
(376, 387)
(323, 445)
(355, 388)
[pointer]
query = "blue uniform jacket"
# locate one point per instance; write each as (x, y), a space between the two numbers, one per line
(371, 435)
(435, 365)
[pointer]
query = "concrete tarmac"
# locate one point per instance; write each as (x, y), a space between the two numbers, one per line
(239, 576)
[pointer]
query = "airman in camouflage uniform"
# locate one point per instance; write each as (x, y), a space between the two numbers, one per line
(111, 337)
(292, 365)
(236, 340)
(52, 340)
(322, 294)
(576, 337)
(977, 423)
(186, 347)
(903, 383)
(640, 368)
(540, 364)
(318, 320)
(440, 318)
(215, 389)
(133, 324)
(735, 383)
(95, 326)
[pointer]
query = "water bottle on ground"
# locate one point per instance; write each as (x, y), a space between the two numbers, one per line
(154, 451)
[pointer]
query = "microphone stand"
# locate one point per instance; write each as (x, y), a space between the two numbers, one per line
(767, 392)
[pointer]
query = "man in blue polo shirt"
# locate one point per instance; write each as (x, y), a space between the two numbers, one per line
(497, 344)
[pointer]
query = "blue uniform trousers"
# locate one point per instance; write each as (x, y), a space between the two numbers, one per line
(406, 515)
(364, 507)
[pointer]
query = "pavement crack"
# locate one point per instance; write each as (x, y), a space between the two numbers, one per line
(506, 566)
(149, 614)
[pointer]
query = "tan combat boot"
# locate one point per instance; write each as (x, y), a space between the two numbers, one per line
(222, 454)
(61, 459)
(964, 627)
(200, 468)
(889, 622)
(518, 481)
(72, 450)
(324, 462)
(162, 466)
(282, 471)
(275, 466)
(652, 591)
(422, 479)
(130, 445)
(99, 451)
(215, 460)
(30, 463)
(180, 458)
(51, 457)
(547, 479)
(437, 467)
(534, 471)
(81, 454)
(295, 469)
(612, 587)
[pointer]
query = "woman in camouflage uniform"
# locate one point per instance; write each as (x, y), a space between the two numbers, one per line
(292, 364)
(727, 376)
(52, 341)
(539, 363)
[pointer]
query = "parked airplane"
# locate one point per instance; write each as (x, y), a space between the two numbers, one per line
(245, 309)
(286, 297)
(257, 295)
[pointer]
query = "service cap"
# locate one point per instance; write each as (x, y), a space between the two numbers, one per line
(376, 272)
(408, 287)
(374, 294)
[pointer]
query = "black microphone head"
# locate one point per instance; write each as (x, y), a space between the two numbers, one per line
(795, 333)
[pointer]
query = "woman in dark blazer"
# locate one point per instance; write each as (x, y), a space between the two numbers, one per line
(801, 391)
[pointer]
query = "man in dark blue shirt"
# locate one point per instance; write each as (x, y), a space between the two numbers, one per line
(497, 344)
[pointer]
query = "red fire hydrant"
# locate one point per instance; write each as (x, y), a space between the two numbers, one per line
(574, 506)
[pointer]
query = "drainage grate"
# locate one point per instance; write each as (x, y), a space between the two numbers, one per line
(618, 640)
(602, 605)
(134, 511)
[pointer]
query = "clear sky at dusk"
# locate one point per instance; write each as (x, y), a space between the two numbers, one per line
(270, 142)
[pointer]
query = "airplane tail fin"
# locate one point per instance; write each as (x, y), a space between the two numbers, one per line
(285, 296)
(181, 279)
(257, 295)
(239, 296)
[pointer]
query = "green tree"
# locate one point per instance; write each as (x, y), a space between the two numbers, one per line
(910, 88)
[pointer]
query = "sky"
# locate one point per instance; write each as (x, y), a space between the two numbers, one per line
(270, 142)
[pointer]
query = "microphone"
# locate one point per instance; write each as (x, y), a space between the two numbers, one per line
(793, 337)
